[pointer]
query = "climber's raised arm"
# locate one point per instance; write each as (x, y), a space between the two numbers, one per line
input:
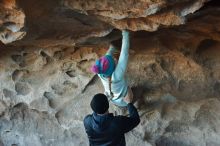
(123, 59)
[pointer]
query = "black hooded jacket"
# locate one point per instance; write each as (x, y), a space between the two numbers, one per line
(109, 130)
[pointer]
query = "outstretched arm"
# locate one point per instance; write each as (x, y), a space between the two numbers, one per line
(123, 59)
(129, 123)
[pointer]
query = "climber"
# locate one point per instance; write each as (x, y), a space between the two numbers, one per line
(112, 75)
(104, 129)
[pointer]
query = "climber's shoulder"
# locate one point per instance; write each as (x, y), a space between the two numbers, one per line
(87, 120)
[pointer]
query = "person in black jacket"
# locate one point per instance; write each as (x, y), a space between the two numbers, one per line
(105, 129)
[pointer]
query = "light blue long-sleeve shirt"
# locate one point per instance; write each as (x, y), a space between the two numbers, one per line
(119, 85)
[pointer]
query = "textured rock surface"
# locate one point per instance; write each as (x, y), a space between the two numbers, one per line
(138, 14)
(35, 88)
(51, 23)
(47, 23)
(46, 85)
(11, 21)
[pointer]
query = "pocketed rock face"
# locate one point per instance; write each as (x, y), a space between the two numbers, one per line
(138, 14)
(36, 87)
(46, 85)
(31, 127)
(30, 74)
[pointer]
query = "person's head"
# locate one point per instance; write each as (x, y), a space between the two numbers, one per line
(99, 103)
(104, 66)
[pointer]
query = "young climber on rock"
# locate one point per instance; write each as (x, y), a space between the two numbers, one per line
(112, 74)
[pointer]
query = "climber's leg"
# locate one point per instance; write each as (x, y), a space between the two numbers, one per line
(119, 106)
